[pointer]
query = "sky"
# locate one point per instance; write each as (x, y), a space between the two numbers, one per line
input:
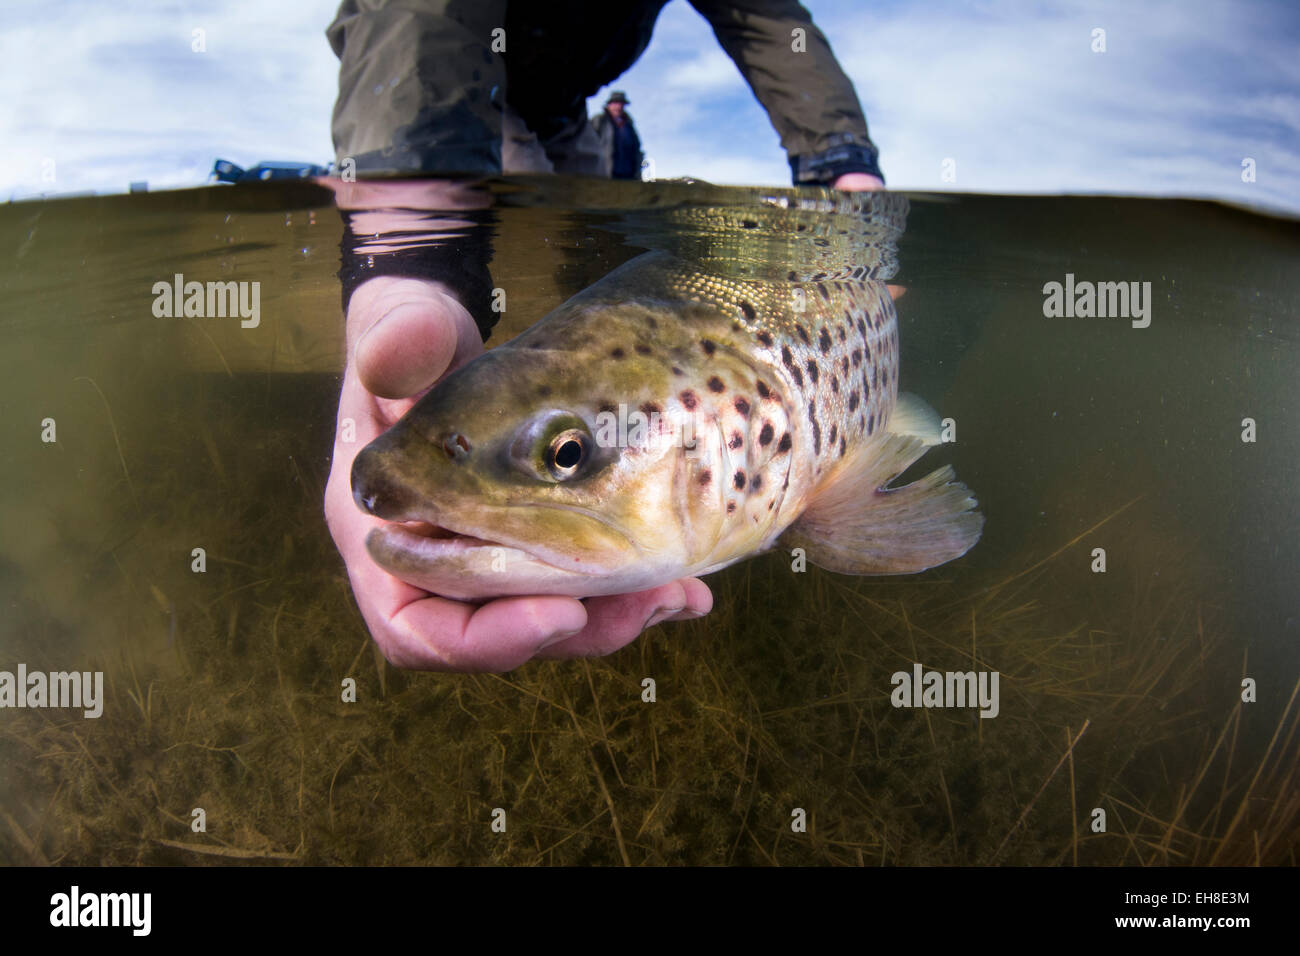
(1006, 97)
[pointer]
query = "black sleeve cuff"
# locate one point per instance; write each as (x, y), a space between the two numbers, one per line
(850, 155)
(459, 261)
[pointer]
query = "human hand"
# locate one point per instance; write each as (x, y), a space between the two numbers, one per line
(858, 182)
(402, 335)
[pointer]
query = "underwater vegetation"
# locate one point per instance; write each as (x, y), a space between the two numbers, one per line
(229, 699)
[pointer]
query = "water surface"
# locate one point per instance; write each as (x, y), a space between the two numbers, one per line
(1121, 691)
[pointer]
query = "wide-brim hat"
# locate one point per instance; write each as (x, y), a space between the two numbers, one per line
(618, 96)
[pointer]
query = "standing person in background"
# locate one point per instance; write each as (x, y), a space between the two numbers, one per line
(618, 137)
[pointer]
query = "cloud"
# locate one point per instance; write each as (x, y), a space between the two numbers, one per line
(1012, 92)
(1017, 97)
(107, 94)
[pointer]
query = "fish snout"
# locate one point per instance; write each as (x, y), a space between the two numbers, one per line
(374, 488)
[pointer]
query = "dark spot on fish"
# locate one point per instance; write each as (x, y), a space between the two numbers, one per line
(835, 430)
(871, 423)
(785, 484)
(731, 507)
(857, 357)
(765, 436)
(862, 327)
(793, 277)
(716, 384)
(544, 390)
(651, 321)
(784, 444)
(742, 406)
(677, 371)
(875, 377)
(835, 384)
(812, 409)
(764, 339)
(843, 334)
(803, 334)
(817, 438)
(756, 483)
(537, 345)
(763, 391)
(824, 291)
(748, 224)
(709, 346)
(770, 504)
(813, 373)
(738, 479)
(866, 386)
(885, 376)
(846, 364)
(736, 441)
(824, 340)
(853, 400)
(748, 310)
(867, 349)
(842, 446)
(787, 358)
(642, 349)
(608, 407)
(616, 353)
(706, 476)
(819, 276)
(689, 401)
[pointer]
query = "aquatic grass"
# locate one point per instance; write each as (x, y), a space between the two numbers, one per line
(117, 441)
(777, 701)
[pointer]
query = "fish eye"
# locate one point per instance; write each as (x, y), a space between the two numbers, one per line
(566, 453)
(555, 446)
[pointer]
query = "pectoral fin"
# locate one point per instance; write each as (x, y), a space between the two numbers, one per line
(857, 525)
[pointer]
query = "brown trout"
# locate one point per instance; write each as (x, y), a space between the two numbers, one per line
(679, 415)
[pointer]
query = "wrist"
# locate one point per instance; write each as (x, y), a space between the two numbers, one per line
(846, 154)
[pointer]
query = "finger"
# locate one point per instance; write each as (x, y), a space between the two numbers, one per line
(434, 633)
(699, 600)
(615, 621)
(407, 333)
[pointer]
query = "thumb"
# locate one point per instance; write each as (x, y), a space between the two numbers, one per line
(411, 332)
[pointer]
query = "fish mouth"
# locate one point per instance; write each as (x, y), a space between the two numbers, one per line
(425, 542)
(455, 562)
(465, 567)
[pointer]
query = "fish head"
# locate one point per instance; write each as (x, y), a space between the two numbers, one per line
(506, 479)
